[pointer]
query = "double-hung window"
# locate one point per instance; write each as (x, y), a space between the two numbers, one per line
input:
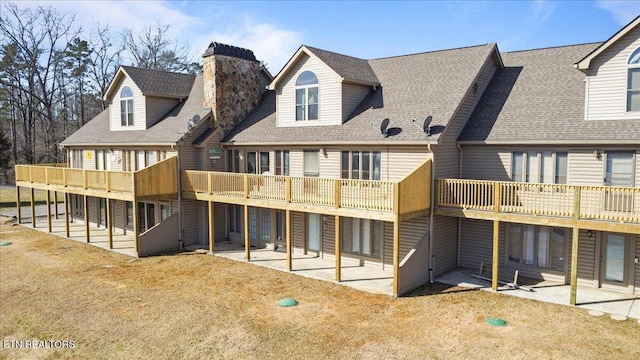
(633, 81)
(307, 96)
(282, 162)
(363, 165)
(126, 107)
(545, 167)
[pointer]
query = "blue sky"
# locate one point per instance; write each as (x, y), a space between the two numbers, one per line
(365, 29)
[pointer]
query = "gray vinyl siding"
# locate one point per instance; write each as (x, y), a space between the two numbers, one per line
(445, 244)
(411, 231)
(220, 221)
(139, 108)
(607, 80)
(328, 239)
(485, 163)
(190, 158)
(89, 159)
(476, 244)
(156, 108)
(447, 155)
(586, 257)
(398, 162)
(637, 266)
(585, 168)
(190, 222)
(329, 94)
(298, 231)
(352, 96)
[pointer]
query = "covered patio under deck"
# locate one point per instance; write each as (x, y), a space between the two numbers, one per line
(122, 243)
(373, 279)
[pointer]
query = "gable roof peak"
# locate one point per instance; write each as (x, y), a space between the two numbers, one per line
(585, 62)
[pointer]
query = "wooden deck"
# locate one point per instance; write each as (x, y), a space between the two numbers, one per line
(381, 200)
(589, 207)
(158, 179)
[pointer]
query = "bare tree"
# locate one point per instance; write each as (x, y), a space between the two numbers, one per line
(154, 49)
(32, 48)
(104, 61)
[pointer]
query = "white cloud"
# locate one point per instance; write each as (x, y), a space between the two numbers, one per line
(623, 11)
(269, 42)
(208, 22)
(542, 10)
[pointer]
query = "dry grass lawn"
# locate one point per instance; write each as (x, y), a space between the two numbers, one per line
(204, 307)
(8, 196)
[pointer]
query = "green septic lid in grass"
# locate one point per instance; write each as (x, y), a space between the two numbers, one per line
(288, 302)
(5, 243)
(496, 322)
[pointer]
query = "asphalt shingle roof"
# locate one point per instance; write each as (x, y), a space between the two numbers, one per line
(348, 67)
(412, 86)
(539, 97)
(155, 82)
(169, 130)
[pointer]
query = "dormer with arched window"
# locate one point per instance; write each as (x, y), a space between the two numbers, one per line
(307, 96)
(126, 107)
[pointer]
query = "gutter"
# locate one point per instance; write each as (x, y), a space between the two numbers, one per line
(324, 143)
(431, 213)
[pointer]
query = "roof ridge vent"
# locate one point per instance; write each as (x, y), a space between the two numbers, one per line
(216, 48)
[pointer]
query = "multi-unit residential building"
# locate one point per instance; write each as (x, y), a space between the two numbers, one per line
(419, 163)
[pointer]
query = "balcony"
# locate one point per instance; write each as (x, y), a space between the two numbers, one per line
(158, 179)
(381, 200)
(603, 208)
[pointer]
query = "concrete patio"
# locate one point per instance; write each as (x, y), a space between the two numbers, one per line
(373, 279)
(608, 302)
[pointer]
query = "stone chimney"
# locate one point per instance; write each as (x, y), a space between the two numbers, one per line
(233, 83)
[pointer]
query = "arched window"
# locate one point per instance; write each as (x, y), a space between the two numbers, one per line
(126, 107)
(307, 96)
(633, 81)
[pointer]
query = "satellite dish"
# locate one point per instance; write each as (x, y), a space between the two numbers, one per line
(190, 124)
(383, 127)
(425, 126)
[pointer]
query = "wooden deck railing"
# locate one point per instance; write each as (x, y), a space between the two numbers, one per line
(156, 179)
(413, 191)
(596, 202)
(356, 194)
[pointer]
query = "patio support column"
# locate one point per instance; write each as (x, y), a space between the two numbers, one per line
(109, 223)
(86, 216)
(247, 244)
(574, 245)
(18, 212)
(495, 261)
(136, 226)
(48, 201)
(66, 214)
(55, 203)
(211, 229)
(338, 232)
(396, 257)
(495, 258)
(33, 209)
(288, 238)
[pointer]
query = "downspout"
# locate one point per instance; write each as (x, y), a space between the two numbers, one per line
(179, 175)
(432, 202)
(459, 147)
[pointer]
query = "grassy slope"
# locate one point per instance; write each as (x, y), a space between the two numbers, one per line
(201, 306)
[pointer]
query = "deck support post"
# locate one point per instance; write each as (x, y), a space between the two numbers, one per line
(109, 223)
(48, 202)
(55, 204)
(247, 244)
(33, 209)
(211, 229)
(338, 238)
(577, 194)
(495, 258)
(136, 226)
(497, 200)
(18, 207)
(396, 240)
(288, 238)
(66, 215)
(86, 216)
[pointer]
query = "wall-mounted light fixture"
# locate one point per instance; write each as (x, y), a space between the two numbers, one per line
(597, 155)
(589, 233)
(323, 151)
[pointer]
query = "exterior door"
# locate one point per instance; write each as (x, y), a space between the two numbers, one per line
(615, 261)
(314, 223)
